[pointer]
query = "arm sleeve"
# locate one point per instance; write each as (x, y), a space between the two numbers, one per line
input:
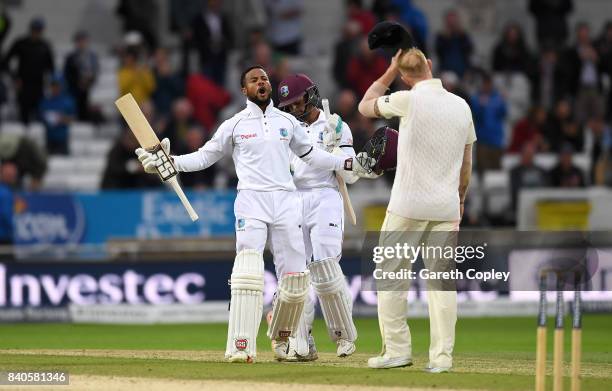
(301, 146)
(300, 143)
(394, 105)
(218, 146)
(346, 141)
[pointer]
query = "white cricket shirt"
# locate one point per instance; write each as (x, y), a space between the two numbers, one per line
(435, 126)
(260, 143)
(306, 176)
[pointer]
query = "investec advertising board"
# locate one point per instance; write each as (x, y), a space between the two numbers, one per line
(83, 218)
(49, 291)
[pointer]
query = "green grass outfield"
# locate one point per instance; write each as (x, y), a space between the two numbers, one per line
(490, 353)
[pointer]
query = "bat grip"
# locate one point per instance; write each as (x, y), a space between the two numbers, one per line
(325, 104)
(181, 195)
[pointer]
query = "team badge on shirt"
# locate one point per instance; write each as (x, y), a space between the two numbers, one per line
(284, 91)
(240, 223)
(283, 132)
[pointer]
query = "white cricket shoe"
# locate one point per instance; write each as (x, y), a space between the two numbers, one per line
(240, 357)
(382, 362)
(280, 348)
(345, 348)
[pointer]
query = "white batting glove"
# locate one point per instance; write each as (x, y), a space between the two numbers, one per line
(363, 166)
(333, 132)
(349, 176)
(150, 161)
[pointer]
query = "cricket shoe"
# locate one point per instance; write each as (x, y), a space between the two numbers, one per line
(280, 348)
(345, 348)
(437, 369)
(240, 357)
(383, 362)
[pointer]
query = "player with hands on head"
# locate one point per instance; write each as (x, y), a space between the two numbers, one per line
(260, 139)
(323, 218)
(434, 151)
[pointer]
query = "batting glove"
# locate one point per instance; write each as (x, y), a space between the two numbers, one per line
(150, 161)
(333, 132)
(363, 166)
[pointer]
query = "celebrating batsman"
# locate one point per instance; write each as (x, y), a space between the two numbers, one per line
(260, 139)
(434, 152)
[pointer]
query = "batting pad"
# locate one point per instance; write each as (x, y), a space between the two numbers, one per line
(336, 304)
(289, 304)
(300, 337)
(246, 305)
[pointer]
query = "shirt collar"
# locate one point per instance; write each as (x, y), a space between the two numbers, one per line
(256, 110)
(429, 83)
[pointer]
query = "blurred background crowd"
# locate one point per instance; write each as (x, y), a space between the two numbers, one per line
(537, 79)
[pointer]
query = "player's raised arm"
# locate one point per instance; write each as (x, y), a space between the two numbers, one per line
(368, 106)
(213, 150)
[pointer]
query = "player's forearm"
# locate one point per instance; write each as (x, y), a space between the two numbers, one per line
(466, 173)
(376, 90)
(323, 160)
(464, 183)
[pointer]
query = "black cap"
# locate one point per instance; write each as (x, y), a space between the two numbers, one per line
(390, 35)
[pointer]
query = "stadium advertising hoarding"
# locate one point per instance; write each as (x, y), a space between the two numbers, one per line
(171, 290)
(93, 218)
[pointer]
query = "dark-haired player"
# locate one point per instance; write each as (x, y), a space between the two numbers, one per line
(260, 139)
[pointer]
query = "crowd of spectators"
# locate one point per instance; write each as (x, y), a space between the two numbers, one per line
(550, 98)
(553, 98)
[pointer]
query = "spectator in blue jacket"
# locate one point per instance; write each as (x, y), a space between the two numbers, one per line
(489, 111)
(413, 17)
(453, 45)
(57, 110)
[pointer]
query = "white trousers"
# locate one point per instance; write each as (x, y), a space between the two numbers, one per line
(392, 305)
(323, 224)
(273, 217)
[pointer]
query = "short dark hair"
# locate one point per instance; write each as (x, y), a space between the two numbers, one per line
(249, 69)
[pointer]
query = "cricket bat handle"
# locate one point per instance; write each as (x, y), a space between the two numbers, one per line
(181, 195)
(348, 206)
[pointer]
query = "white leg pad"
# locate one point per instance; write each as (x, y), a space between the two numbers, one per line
(330, 286)
(246, 305)
(289, 305)
(300, 338)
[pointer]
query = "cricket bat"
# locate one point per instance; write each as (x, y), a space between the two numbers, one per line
(348, 206)
(148, 140)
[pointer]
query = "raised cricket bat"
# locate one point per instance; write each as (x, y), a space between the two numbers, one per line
(148, 140)
(348, 206)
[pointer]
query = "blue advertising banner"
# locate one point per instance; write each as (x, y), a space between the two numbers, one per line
(93, 218)
(58, 284)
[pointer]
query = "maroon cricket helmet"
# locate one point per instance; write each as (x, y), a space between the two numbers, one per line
(294, 87)
(383, 148)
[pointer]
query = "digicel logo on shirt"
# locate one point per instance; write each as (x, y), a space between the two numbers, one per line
(248, 136)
